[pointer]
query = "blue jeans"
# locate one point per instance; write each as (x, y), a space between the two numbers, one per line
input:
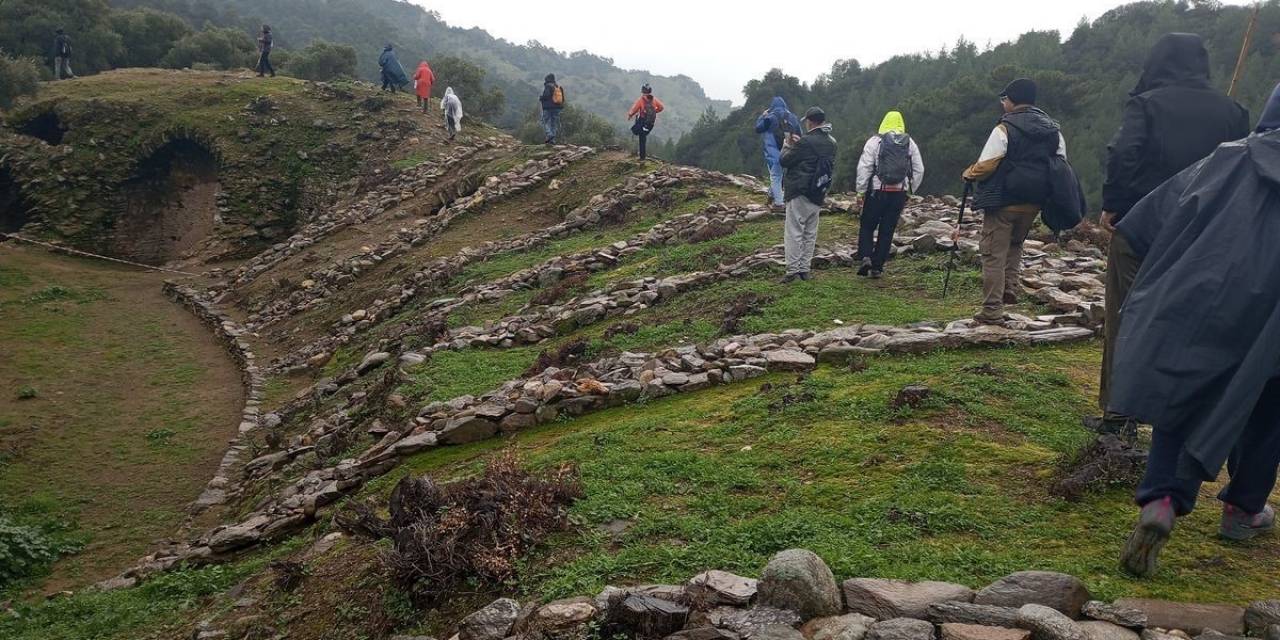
(775, 183)
(551, 123)
(1252, 464)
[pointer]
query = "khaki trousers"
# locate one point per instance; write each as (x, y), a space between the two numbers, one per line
(1003, 233)
(1122, 268)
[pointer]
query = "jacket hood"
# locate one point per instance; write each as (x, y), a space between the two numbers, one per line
(1032, 122)
(1264, 153)
(778, 104)
(424, 65)
(1270, 119)
(448, 91)
(893, 123)
(550, 79)
(388, 47)
(1177, 60)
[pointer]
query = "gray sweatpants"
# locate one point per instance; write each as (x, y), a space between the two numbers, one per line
(801, 233)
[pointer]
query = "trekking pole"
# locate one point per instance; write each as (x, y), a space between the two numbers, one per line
(1244, 50)
(955, 245)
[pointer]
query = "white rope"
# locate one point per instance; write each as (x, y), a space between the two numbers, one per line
(77, 252)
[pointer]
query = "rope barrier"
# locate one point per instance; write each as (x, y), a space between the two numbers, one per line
(77, 252)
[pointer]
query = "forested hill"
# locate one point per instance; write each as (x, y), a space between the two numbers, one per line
(949, 98)
(593, 83)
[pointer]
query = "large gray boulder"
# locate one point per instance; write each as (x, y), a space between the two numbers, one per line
(886, 599)
(901, 629)
(1063, 592)
(493, 622)
(799, 580)
(1048, 623)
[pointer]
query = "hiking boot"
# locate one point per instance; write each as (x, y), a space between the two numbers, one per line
(778, 208)
(989, 317)
(1122, 426)
(865, 269)
(1011, 298)
(1141, 555)
(805, 275)
(876, 274)
(790, 277)
(1240, 526)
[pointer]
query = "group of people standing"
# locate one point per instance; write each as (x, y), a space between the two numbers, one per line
(643, 114)
(1193, 282)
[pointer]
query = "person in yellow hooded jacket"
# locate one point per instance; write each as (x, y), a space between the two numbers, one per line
(890, 168)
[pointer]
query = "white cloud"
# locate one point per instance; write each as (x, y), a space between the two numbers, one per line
(724, 44)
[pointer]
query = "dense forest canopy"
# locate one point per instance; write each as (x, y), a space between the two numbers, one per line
(949, 97)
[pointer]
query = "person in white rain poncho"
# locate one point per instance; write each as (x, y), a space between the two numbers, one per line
(451, 105)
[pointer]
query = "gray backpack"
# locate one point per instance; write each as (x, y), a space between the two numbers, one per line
(894, 164)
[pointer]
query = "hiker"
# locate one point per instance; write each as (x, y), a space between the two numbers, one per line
(451, 105)
(774, 125)
(1013, 186)
(62, 56)
(645, 112)
(264, 52)
(552, 100)
(890, 167)
(1198, 352)
(423, 78)
(1173, 119)
(393, 76)
(809, 161)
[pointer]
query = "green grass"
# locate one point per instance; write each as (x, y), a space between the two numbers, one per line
(953, 490)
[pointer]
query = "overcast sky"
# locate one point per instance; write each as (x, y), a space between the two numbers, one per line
(723, 44)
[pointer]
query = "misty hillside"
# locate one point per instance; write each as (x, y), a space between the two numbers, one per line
(949, 98)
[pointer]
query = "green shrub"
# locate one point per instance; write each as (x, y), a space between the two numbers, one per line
(218, 48)
(322, 61)
(18, 77)
(577, 126)
(25, 551)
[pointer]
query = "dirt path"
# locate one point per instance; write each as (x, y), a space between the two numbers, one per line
(115, 408)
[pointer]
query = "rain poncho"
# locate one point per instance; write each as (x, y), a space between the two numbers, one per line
(451, 105)
(423, 78)
(1200, 336)
(893, 123)
(392, 72)
(770, 124)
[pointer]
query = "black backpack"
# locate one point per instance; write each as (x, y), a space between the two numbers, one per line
(894, 164)
(820, 182)
(649, 115)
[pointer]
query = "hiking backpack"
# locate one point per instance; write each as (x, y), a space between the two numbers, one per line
(649, 115)
(557, 96)
(820, 183)
(894, 164)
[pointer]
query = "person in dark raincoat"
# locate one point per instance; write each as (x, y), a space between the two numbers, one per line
(393, 75)
(1198, 354)
(774, 125)
(1174, 118)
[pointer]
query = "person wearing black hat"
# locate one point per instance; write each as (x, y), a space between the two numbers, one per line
(809, 162)
(62, 56)
(1173, 119)
(1013, 179)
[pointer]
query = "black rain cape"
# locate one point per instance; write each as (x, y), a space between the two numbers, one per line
(1200, 336)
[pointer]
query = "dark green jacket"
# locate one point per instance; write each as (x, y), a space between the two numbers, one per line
(801, 160)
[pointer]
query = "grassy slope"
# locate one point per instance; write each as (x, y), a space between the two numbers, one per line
(111, 460)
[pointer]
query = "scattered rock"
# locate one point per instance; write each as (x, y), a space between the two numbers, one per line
(1048, 623)
(745, 622)
(911, 396)
(799, 580)
(1260, 616)
(704, 633)
(851, 626)
(722, 588)
(1100, 630)
(1123, 616)
(493, 622)
(958, 631)
(372, 361)
(1063, 592)
(901, 629)
(975, 614)
(647, 617)
(885, 599)
(1192, 618)
(776, 632)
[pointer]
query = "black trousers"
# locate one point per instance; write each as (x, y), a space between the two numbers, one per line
(1252, 464)
(264, 64)
(644, 138)
(879, 220)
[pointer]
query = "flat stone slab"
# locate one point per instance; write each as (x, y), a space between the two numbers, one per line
(1099, 630)
(1061, 591)
(901, 629)
(885, 599)
(1189, 617)
(976, 614)
(959, 631)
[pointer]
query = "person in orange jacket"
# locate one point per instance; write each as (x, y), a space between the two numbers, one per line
(422, 81)
(645, 112)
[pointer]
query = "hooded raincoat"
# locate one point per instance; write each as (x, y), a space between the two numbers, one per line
(451, 105)
(392, 73)
(423, 78)
(1200, 337)
(1173, 119)
(892, 125)
(772, 126)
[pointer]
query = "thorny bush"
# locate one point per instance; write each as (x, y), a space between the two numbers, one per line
(473, 529)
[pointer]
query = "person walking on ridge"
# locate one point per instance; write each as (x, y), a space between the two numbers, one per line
(809, 161)
(62, 56)
(1173, 119)
(451, 105)
(645, 112)
(393, 75)
(1014, 180)
(1198, 351)
(423, 78)
(552, 101)
(774, 125)
(890, 168)
(265, 44)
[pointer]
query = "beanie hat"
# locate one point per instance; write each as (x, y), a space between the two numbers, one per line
(1020, 91)
(815, 114)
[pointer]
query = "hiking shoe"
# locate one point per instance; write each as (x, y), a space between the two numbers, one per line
(865, 269)
(876, 274)
(805, 275)
(789, 278)
(1240, 526)
(1141, 556)
(985, 317)
(1122, 426)
(1011, 298)
(778, 208)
